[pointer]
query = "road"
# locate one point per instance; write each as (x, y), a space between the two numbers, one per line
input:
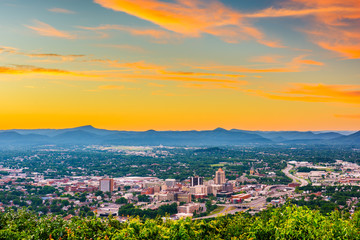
(295, 179)
(224, 212)
(254, 205)
(221, 213)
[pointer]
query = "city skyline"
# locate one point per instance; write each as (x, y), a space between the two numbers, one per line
(180, 65)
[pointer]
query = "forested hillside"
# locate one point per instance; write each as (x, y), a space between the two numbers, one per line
(289, 222)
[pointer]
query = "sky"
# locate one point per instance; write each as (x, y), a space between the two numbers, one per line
(180, 64)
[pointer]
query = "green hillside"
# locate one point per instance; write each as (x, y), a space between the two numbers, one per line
(288, 222)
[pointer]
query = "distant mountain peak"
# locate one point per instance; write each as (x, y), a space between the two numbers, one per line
(151, 131)
(220, 129)
(86, 127)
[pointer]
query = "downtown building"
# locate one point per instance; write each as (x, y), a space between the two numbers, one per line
(199, 191)
(106, 185)
(195, 181)
(220, 177)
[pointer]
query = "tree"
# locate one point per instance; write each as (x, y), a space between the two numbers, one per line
(108, 194)
(287, 222)
(47, 190)
(36, 201)
(82, 199)
(99, 193)
(121, 200)
(143, 198)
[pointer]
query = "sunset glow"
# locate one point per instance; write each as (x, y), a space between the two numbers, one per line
(180, 64)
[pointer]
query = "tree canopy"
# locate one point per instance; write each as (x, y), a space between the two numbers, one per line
(288, 222)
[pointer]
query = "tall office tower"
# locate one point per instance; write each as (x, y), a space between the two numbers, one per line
(106, 185)
(220, 177)
(194, 181)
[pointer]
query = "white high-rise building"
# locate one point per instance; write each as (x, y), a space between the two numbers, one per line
(106, 185)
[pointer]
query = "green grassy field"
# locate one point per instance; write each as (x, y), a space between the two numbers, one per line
(219, 209)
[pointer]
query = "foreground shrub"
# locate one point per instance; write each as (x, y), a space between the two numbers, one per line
(289, 222)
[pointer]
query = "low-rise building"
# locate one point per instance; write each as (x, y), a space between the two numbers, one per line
(165, 197)
(199, 189)
(189, 208)
(183, 197)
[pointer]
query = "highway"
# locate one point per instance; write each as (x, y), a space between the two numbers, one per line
(254, 205)
(225, 211)
(295, 179)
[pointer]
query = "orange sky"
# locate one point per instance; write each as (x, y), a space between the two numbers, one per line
(179, 65)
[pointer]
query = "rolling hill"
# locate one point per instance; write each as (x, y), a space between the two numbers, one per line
(218, 137)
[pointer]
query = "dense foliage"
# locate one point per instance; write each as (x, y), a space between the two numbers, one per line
(131, 210)
(306, 169)
(280, 178)
(330, 198)
(35, 199)
(288, 222)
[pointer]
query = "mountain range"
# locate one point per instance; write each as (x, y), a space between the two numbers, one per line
(218, 137)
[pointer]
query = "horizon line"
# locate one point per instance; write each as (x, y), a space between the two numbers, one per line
(172, 130)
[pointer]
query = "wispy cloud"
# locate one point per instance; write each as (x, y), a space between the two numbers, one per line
(5, 49)
(193, 18)
(297, 64)
(131, 66)
(61, 10)
(35, 70)
(63, 57)
(266, 59)
(148, 76)
(52, 55)
(284, 12)
(333, 24)
(145, 70)
(347, 50)
(45, 29)
(182, 73)
(124, 47)
(119, 70)
(214, 86)
(159, 36)
(315, 93)
(28, 69)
